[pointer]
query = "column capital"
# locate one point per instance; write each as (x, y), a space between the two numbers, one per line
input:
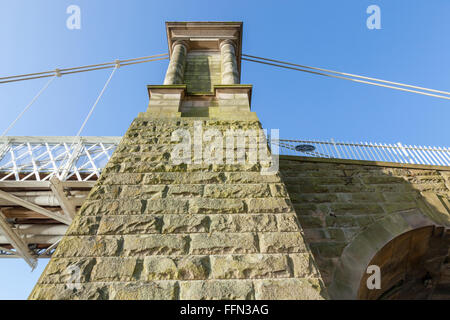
(183, 43)
(227, 41)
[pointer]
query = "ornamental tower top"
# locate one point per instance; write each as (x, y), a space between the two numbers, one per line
(206, 49)
(203, 76)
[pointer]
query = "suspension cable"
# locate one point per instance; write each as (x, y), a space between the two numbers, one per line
(66, 170)
(59, 72)
(86, 68)
(28, 106)
(347, 77)
(96, 101)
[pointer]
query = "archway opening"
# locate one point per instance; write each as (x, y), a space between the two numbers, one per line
(414, 265)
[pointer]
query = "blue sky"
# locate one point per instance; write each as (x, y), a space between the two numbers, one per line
(411, 47)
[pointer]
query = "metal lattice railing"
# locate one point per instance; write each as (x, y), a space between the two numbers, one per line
(365, 151)
(39, 158)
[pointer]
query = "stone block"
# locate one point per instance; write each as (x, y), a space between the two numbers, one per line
(88, 246)
(115, 269)
(74, 291)
(237, 191)
(217, 290)
(154, 244)
(281, 242)
(243, 223)
(204, 205)
(269, 205)
(82, 225)
(250, 266)
(190, 190)
(287, 222)
(250, 177)
(165, 206)
(177, 268)
(132, 224)
(144, 192)
(68, 271)
(303, 265)
(155, 290)
(185, 223)
(289, 289)
(222, 243)
(123, 179)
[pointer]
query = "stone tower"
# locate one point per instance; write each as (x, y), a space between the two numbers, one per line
(166, 221)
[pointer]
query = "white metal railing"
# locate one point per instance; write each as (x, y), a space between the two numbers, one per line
(39, 158)
(369, 151)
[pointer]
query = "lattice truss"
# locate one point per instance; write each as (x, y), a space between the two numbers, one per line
(43, 182)
(39, 158)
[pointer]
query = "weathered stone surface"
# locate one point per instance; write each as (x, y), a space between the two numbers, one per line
(249, 266)
(289, 289)
(123, 179)
(303, 266)
(111, 207)
(157, 244)
(71, 291)
(335, 202)
(69, 270)
(237, 191)
(185, 223)
(185, 190)
(278, 242)
(154, 230)
(179, 268)
(217, 290)
(165, 206)
(83, 225)
(278, 190)
(155, 290)
(243, 223)
(115, 269)
(88, 246)
(250, 177)
(138, 224)
(269, 205)
(287, 222)
(203, 205)
(144, 192)
(221, 243)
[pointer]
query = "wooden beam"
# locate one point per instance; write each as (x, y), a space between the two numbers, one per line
(30, 184)
(36, 239)
(7, 250)
(61, 218)
(17, 242)
(24, 213)
(58, 189)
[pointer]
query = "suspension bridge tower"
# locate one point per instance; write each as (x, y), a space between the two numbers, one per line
(155, 227)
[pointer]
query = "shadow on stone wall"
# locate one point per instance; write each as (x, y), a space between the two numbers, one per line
(356, 215)
(198, 74)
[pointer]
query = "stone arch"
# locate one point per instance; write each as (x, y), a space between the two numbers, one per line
(359, 253)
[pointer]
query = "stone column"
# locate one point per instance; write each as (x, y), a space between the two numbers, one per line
(175, 71)
(230, 73)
